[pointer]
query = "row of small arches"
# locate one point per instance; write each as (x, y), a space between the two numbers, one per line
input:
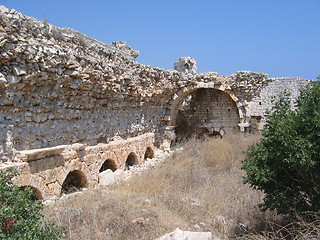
(132, 160)
(76, 180)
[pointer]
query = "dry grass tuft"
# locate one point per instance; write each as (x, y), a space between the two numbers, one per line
(199, 189)
(299, 228)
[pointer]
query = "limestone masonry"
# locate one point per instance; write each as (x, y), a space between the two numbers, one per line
(72, 107)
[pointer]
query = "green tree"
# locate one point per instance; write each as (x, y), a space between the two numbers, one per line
(285, 164)
(20, 213)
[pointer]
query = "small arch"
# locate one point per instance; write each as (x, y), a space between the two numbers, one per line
(108, 164)
(132, 159)
(149, 153)
(36, 192)
(75, 180)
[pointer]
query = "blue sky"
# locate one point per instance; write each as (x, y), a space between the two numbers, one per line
(279, 37)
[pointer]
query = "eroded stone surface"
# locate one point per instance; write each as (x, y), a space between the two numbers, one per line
(69, 102)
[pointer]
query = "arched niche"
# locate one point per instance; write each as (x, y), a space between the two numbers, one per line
(148, 153)
(131, 160)
(108, 164)
(75, 181)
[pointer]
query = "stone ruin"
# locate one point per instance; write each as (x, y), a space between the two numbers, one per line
(186, 65)
(72, 107)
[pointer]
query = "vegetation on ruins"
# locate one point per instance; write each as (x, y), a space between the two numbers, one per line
(20, 213)
(285, 165)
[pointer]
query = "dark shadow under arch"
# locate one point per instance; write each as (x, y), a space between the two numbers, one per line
(149, 153)
(132, 160)
(75, 181)
(108, 164)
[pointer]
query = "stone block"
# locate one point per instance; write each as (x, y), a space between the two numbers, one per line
(186, 65)
(13, 79)
(28, 155)
(91, 158)
(106, 178)
(18, 71)
(187, 235)
(51, 175)
(54, 188)
(61, 175)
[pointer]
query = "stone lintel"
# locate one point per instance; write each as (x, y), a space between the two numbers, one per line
(34, 154)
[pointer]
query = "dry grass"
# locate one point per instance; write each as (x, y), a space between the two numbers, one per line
(200, 189)
(295, 229)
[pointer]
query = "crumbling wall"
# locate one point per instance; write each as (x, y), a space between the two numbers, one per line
(58, 86)
(61, 87)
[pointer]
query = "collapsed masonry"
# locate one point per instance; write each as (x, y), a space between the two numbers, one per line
(60, 89)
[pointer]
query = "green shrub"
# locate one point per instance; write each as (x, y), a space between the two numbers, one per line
(20, 213)
(285, 164)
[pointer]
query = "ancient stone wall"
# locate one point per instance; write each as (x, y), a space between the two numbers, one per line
(47, 169)
(58, 86)
(263, 101)
(66, 99)
(61, 87)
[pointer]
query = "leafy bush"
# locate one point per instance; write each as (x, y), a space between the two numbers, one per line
(20, 213)
(285, 164)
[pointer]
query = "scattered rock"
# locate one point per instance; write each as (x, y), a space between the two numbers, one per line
(18, 71)
(197, 227)
(186, 65)
(3, 81)
(186, 235)
(106, 177)
(139, 221)
(148, 201)
(13, 79)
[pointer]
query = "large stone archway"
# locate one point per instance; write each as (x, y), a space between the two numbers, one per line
(204, 109)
